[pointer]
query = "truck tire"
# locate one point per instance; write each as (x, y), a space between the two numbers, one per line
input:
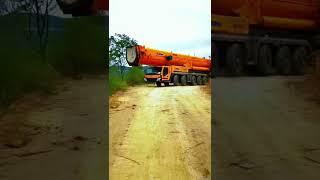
(204, 80)
(176, 80)
(166, 84)
(299, 60)
(199, 80)
(264, 65)
(234, 60)
(183, 80)
(193, 81)
(283, 58)
(158, 84)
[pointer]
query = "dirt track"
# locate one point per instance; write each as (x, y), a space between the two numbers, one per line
(264, 129)
(160, 133)
(66, 134)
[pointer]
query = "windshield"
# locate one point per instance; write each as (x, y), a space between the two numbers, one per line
(152, 70)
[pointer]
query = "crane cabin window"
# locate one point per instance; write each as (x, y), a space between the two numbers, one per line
(152, 70)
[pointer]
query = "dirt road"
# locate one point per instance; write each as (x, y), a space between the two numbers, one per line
(65, 134)
(264, 129)
(160, 133)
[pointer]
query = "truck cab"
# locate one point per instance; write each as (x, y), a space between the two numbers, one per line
(157, 75)
(152, 74)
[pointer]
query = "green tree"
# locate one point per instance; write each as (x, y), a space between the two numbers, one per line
(117, 50)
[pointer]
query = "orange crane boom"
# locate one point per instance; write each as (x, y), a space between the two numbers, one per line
(139, 55)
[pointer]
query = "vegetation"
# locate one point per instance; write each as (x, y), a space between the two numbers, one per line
(117, 50)
(119, 77)
(79, 47)
(116, 83)
(133, 77)
(82, 48)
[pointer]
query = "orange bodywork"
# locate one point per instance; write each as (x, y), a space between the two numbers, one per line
(169, 64)
(284, 14)
(152, 57)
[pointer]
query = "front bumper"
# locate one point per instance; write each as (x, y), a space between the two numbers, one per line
(152, 80)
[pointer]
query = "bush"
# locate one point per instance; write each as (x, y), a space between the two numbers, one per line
(23, 71)
(21, 68)
(82, 47)
(135, 76)
(116, 82)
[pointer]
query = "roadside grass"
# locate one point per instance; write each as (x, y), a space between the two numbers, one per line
(80, 47)
(117, 82)
(25, 77)
(21, 68)
(135, 76)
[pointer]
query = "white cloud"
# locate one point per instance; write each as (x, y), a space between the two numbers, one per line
(182, 26)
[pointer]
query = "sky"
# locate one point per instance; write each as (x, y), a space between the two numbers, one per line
(181, 26)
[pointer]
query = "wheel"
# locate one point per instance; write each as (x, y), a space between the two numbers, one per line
(234, 60)
(194, 80)
(264, 65)
(176, 80)
(158, 84)
(283, 63)
(166, 84)
(199, 80)
(183, 80)
(204, 80)
(299, 60)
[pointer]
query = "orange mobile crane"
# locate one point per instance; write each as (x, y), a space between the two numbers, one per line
(168, 67)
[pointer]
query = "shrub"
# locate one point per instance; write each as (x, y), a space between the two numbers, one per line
(116, 82)
(135, 76)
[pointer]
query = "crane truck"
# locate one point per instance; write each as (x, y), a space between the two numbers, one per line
(168, 67)
(267, 36)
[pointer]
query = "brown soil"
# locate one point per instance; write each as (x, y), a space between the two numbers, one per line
(61, 136)
(160, 133)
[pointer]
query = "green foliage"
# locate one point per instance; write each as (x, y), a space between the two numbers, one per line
(22, 71)
(116, 83)
(135, 76)
(118, 79)
(21, 68)
(117, 49)
(82, 49)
